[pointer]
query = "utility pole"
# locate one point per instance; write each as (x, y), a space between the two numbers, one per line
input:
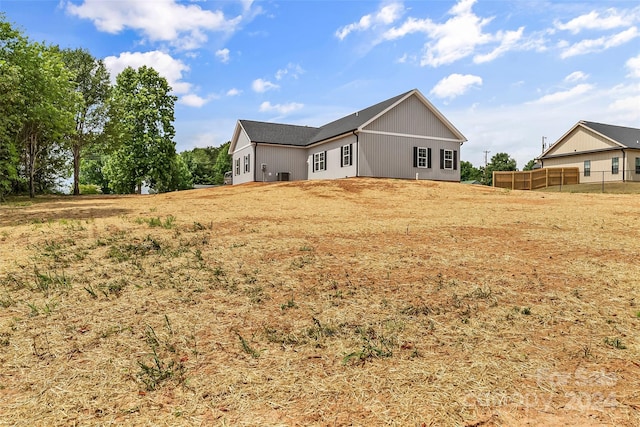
(485, 166)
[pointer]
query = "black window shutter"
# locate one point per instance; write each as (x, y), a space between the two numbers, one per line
(429, 158)
(248, 162)
(313, 162)
(350, 154)
(415, 157)
(455, 160)
(441, 159)
(342, 156)
(325, 160)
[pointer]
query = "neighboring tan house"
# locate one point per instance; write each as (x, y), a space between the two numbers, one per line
(402, 137)
(602, 152)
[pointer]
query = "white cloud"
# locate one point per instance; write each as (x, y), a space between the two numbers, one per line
(594, 21)
(233, 92)
(564, 95)
(260, 85)
(461, 36)
(168, 67)
(576, 76)
(280, 108)
(223, 55)
(386, 15)
(293, 70)
(455, 85)
(596, 45)
(192, 100)
(508, 41)
(633, 64)
(182, 25)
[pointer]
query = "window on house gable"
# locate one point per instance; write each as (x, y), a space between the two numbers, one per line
(247, 163)
(449, 159)
(614, 165)
(346, 155)
(587, 168)
(421, 157)
(238, 166)
(319, 161)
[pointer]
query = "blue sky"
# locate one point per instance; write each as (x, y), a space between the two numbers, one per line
(505, 73)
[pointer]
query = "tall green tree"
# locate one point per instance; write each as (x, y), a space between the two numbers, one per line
(41, 103)
(499, 162)
(10, 98)
(223, 163)
(142, 115)
(529, 166)
(91, 80)
(200, 163)
(469, 173)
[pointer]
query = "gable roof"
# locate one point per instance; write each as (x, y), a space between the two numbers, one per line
(623, 137)
(626, 136)
(303, 136)
(354, 121)
(275, 133)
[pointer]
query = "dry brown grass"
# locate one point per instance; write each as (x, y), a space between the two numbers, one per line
(350, 302)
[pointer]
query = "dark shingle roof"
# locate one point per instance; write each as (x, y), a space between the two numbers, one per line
(301, 136)
(275, 133)
(354, 121)
(629, 137)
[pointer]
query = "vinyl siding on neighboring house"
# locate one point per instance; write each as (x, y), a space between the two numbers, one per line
(581, 140)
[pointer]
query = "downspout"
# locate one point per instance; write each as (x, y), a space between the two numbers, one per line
(357, 153)
(255, 162)
(624, 161)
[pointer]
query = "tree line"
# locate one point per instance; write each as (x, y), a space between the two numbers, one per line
(61, 117)
(484, 175)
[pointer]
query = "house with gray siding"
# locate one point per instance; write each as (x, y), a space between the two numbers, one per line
(402, 137)
(602, 152)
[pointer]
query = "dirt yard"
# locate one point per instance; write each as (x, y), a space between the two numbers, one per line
(352, 302)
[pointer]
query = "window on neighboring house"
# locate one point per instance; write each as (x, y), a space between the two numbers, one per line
(637, 164)
(320, 161)
(346, 155)
(449, 159)
(614, 165)
(238, 166)
(421, 157)
(247, 163)
(587, 168)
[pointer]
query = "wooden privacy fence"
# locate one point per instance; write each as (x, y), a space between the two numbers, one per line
(539, 178)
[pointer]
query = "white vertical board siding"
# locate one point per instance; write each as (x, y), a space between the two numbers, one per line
(411, 117)
(240, 154)
(277, 159)
(332, 159)
(387, 156)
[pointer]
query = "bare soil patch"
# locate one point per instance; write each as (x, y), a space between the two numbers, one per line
(347, 302)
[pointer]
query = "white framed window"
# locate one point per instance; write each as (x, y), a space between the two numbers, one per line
(247, 163)
(320, 161)
(422, 157)
(238, 166)
(346, 157)
(448, 159)
(637, 164)
(587, 168)
(615, 165)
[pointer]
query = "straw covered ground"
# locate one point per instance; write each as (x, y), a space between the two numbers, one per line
(347, 302)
